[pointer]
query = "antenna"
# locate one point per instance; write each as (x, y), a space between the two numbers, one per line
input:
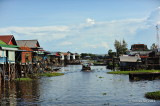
(157, 36)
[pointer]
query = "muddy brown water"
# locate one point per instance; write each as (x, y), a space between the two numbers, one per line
(78, 88)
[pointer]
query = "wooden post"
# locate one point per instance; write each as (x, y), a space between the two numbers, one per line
(0, 81)
(9, 71)
(146, 63)
(159, 61)
(113, 64)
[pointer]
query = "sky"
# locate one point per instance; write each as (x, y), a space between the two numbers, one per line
(82, 26)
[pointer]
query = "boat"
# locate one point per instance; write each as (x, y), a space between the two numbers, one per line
(56, 68)
(86, 67)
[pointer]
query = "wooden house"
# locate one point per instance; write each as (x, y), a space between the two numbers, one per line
(7, 60)
(38, 52)
(24, 55)
(8, 47)
(67, 56)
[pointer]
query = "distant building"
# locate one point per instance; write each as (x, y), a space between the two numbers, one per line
(139, 47)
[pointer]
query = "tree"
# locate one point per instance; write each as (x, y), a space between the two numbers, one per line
(110, 53)
(124, 47)
(154, 46)
(121, 47)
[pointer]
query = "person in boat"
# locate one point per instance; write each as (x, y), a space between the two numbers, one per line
(86, 66)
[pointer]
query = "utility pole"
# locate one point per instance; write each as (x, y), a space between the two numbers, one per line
(158, 46)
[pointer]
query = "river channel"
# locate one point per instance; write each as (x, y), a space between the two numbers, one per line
(78, 88)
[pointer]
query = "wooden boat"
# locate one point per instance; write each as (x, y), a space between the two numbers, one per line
(56, 68)
(86, 67)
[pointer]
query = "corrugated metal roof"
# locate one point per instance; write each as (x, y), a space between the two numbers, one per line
(128, 58)
(28, 43)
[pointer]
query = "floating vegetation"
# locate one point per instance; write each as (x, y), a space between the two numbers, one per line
(153, 95)
(101, 77)
(51, 74)
(106, 104)
(23, 79)
(104, 93)
(130, 72)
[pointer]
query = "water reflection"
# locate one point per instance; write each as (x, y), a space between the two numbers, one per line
(78, 88)
(19, 93)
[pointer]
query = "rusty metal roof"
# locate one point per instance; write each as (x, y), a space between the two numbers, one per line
(26, 48)
(28, 43)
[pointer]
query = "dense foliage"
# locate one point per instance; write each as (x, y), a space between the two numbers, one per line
(121, 47)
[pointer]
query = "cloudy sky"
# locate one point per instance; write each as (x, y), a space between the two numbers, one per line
(81, 25)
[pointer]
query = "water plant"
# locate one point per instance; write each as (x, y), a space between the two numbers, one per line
(51, 74)
(101, 77)
(153, 95)
(104, 93)
(137, 71)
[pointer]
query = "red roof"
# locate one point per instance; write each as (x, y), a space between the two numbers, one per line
(57, 54)
(65, 54)
(6, 38)
(26, 48)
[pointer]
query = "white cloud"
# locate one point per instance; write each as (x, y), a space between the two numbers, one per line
(154, 17)
(90, 21)
(45, 33)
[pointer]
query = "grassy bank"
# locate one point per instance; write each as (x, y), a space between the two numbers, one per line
(23, 79)
(51, 74)
(130, 72)
(153, 95)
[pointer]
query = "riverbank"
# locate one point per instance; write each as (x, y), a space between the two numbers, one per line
(51, 74)
(131, 72)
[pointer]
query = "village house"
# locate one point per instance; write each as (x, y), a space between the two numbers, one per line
(129, 62)
(38, 52)
(8, 47)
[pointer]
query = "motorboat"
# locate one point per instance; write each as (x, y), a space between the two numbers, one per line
(86, 67)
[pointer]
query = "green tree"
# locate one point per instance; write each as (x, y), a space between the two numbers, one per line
(124, 47)
(121, 47)
(111, 54)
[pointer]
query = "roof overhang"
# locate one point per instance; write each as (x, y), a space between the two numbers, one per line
(7, 48)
